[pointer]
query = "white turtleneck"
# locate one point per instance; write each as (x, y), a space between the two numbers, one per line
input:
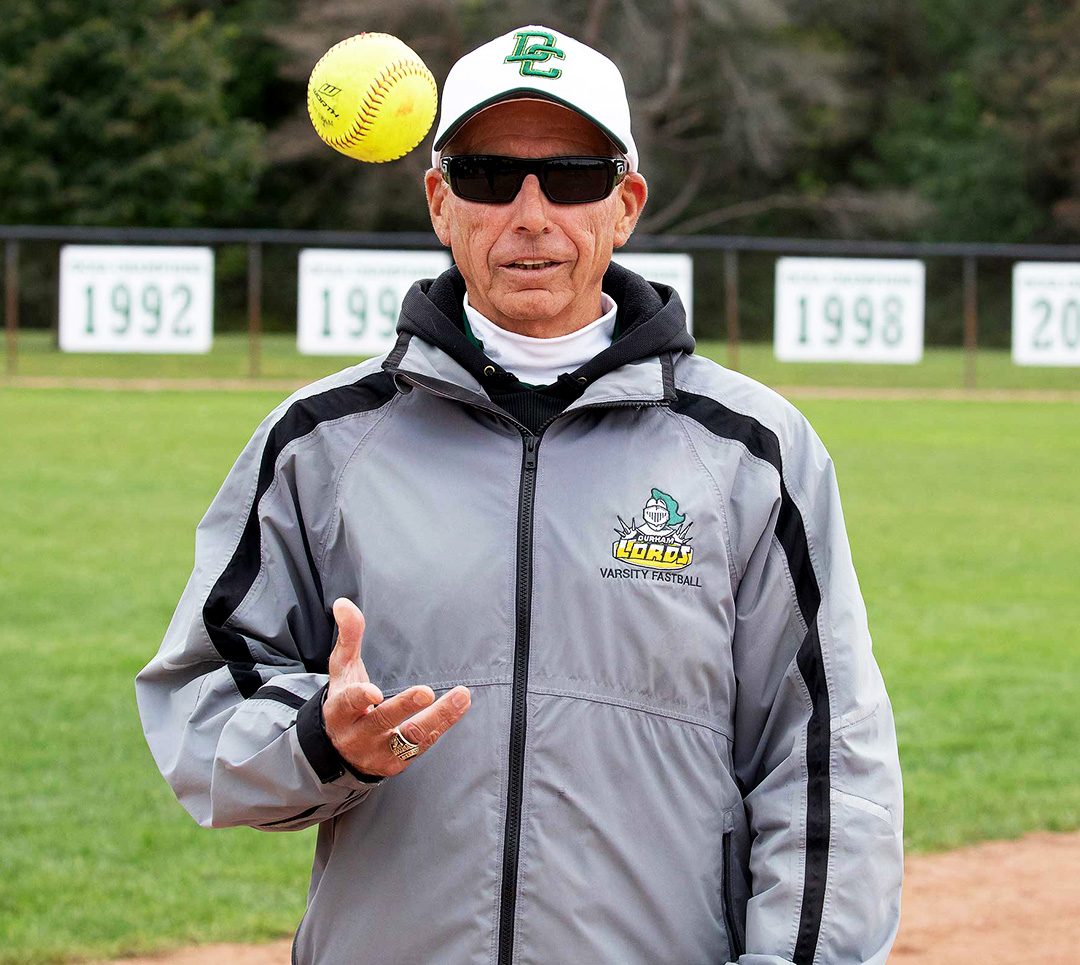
(540, 361)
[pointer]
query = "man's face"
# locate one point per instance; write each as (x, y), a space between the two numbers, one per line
(490, 242)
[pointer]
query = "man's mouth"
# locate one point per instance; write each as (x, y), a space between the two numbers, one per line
(531, 264)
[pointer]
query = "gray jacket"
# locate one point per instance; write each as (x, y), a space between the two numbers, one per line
(680, 748)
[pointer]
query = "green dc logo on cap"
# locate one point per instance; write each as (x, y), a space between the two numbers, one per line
(529, 55)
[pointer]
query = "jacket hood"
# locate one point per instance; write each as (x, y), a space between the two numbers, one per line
(651, 321)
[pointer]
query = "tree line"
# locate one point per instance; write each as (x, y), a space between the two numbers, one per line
(918, 119)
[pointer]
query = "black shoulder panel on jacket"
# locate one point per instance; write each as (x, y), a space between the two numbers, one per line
(791, 532)
(301, 418)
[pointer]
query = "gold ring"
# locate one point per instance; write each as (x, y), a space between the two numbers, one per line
(402, 747)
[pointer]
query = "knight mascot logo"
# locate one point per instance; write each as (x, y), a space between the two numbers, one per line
(661, 542)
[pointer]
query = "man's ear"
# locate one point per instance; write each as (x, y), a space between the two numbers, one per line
(633, 193)
(436, 190)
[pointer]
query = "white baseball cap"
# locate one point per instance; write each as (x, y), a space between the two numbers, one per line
(536, 63)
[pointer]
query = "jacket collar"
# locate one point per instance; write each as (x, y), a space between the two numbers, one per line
(433, 349)
(418, 362)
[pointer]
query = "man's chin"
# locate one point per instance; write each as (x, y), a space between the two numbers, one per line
(531, 304)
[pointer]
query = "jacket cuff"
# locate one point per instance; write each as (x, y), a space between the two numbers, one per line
(322, 755)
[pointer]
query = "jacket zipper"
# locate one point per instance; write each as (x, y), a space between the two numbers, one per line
(728, 895)
(515, 779)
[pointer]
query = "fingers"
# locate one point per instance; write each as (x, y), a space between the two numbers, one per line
(345, 658)
(401, 707)
(361, 730)
(358, 720)
(360, 698)
(428, 725)
(347, 704)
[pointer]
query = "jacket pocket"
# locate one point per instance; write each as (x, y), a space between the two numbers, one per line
(731, 918)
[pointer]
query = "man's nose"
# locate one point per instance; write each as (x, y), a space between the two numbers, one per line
(530, 207)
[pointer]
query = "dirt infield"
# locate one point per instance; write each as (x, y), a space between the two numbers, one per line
(1003, 901)
(994, 903)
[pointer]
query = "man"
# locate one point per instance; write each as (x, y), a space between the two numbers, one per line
(657, 742)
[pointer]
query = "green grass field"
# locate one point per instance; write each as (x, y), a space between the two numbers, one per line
(965, 529)
(940, 368)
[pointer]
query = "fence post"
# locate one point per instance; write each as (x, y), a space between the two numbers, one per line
(254, 299)
(731, 305)
(971, 321)
(54, 321)
(11, 305)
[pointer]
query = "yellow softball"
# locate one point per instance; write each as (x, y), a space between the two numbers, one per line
(371, 97)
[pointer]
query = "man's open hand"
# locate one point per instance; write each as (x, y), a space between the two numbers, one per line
(359, 721)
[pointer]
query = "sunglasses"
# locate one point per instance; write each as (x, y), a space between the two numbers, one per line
(493, 179)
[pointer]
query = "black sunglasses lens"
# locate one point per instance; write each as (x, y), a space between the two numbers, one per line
(497, 180)
(577, 180)
(488, 180)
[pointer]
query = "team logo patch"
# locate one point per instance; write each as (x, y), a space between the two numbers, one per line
(530, 54)
(660, 542)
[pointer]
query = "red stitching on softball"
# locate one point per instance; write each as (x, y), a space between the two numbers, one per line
(377, 92)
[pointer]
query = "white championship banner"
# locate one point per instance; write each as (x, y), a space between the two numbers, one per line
(676, 270)
(1046, 313)
(148, 298)
(348, 300)
(849, 310)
